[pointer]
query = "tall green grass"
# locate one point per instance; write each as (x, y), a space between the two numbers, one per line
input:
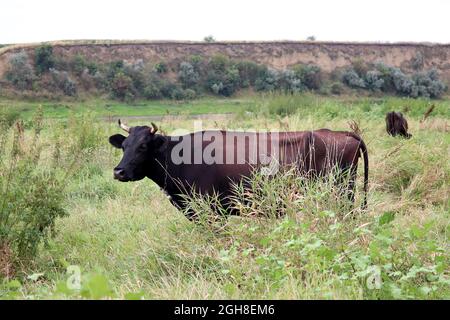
(294, 240)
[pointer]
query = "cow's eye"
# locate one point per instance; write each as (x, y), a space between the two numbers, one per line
(143, 147)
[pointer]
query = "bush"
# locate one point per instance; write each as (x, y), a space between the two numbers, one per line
(161, 67)
(417, 62)
(374, 80)
(223, 76)
(428, 84)
(31, 199)
(62, 81)
(20, 72)
(122, 87)
(136, 72)
(8, 117)
(290, 82)
(152, 91)
(310, 75)
(249, 72)
(79, 65)
(267, 81)
(187, 75)
(209, 39)
(189, 94)
(420, 84)
(352, 79)
(336, 88)
(43, 58)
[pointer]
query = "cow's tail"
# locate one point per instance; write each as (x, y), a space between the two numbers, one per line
(363, 149)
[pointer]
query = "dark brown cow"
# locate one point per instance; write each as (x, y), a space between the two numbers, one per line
(184, 163)
(396, 124)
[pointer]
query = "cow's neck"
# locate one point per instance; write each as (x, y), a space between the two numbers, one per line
(160, 171)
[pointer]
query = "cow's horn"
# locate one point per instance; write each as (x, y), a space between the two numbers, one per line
(124, 126)
(154, 128)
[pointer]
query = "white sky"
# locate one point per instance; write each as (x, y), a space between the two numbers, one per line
(339, 20)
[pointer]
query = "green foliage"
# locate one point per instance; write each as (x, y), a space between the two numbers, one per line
(336, 88)
(62, 81)
(390, 79)
(31, 197)
(209, 39)
(161, 67)
(43, 58)
(20, 72)
(188, 76)
(79, 64)
(321, 234)
(310, 75)
(8, 117)
(122, 87)
(222, 76)
(295, 239)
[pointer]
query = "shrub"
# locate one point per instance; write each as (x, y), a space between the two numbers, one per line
(161, 67)
(43, 58)
(136, 72)
(310, 75)
(79, 65)
(420, 84)
(177, 94)
(100, 80)
(403, 84)
(249, 72)
(223, 76)
(417, 62)
(20, 72)
(267, 81)
(152, 91)
(62, 81)
(189, 94)
(360, 67)
(8, 117)
(336, 88)
(209, 39)
(31, 199)
(351, 78)
(187, 75)
(374, 80)
(122, 87)
(428, 84)
(167, 88)
(290, 82)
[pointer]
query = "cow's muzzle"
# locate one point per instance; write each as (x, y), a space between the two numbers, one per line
(119, 174)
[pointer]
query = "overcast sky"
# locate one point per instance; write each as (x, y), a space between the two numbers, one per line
(339, 20)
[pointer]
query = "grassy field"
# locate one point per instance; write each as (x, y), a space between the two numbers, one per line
(129, 242)
(105, 108)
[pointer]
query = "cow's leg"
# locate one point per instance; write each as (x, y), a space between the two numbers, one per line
(345, 181)
(351, 183)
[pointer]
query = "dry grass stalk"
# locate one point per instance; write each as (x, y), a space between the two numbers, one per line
(428, 112)
(354, 126)
(6, 265)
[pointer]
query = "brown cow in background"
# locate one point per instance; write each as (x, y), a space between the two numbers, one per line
(396, 124)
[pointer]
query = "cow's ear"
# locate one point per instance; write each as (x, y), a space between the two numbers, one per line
(116, 140)
(160, 143)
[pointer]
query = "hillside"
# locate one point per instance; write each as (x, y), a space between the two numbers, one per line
(276, 54)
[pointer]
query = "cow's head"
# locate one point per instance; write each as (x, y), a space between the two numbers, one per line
(140, 149)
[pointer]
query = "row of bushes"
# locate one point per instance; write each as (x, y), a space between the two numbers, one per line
(197, 75)
(381, 77)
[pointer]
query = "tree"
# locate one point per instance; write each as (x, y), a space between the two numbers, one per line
(43, 58)
(209, 39)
